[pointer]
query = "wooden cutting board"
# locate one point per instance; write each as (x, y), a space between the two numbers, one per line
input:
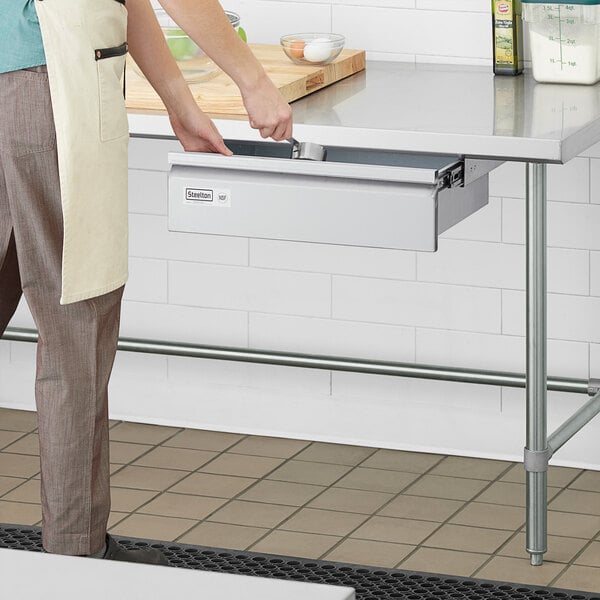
(220, 96)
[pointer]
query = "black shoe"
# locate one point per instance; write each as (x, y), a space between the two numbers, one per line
(145, 554)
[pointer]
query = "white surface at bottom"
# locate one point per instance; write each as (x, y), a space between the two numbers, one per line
(27, 575)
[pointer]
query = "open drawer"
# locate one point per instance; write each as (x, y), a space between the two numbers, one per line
(357, 197)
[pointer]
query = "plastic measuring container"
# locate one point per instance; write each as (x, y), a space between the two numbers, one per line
(565, 40)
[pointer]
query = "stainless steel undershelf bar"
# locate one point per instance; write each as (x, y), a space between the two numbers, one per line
(333, 363)
(574, 423)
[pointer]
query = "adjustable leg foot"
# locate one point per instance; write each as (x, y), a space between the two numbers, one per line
(537, 558)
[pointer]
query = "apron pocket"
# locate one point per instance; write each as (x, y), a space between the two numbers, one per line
(111, 73)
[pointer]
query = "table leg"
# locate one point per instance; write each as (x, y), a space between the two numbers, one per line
(537, 433)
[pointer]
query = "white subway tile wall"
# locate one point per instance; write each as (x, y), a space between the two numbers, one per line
(463, 306)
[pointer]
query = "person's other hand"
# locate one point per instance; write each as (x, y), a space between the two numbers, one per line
(197, 132)
(267, 110)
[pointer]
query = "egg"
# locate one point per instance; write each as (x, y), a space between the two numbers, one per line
(318, 50)
(296, 48)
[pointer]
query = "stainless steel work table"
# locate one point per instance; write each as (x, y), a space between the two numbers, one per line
(443, 109)
(452, 110)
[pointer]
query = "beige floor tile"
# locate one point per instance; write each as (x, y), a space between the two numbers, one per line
(18, 465)
(396, 460)
(446, 562)
(291, 543)
(366, 552)
(253, 514)
(509, 494)
(127, 500)
(399, 531)
(269, 446)
(198, 439)
(182, 505)
(115, 468)
(590, 557)
(140, 433)
(28, 492)
(222, 535)
(470, 468)
(152, 527)
(28, 444)
(19, 513)
(8, 437)
(560, 549)
(115, 517)
(492, 516)
(146, 478)
(244, 466)
(359, 501)
(572, 524)
(184, 459)
(122, 452)
(577, 501)
(335, 453)
(519, 570)
(17, 420)
(469, 539)
(504, 492)
(328, 522)
(557, 476)
(113, 422)
(451, 488)
(377, 480)
(219, 486)
(588, 481)
(300, 471)
(585, 579)
(9, 483)
(280, 492)
(421, 508)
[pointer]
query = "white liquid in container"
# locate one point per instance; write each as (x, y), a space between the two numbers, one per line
(564, 41)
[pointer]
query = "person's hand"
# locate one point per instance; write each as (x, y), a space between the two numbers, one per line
(197, 133)
(267, 110)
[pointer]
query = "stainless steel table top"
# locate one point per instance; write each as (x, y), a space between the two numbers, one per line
(444, 109)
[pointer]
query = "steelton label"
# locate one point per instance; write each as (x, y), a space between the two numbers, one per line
(207, 197)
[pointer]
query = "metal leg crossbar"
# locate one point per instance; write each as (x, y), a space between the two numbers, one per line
(539, 447)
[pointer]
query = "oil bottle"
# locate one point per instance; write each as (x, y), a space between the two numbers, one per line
(507, 30)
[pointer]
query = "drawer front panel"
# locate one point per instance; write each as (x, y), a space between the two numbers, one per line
(219, 195)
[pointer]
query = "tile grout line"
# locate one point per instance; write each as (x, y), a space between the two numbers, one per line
(160, 493)
(247, 489)
(585, 546)
(375, 513)
(447, 520)
(516, 533)
(305, 505)
(325, 488)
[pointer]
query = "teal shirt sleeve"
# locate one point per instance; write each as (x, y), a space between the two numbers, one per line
(20, 36)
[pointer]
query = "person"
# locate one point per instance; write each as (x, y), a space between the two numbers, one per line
(63, 215)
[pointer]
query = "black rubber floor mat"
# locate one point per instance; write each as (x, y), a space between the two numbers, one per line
(370, 583)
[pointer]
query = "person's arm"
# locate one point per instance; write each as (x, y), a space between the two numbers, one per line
(206, 23)
(147, 45)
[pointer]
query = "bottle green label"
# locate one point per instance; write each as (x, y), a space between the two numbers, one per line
(507, 32)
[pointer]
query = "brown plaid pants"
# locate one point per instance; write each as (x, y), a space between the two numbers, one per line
(77, 342)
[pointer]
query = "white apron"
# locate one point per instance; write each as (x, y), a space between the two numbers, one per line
(84, 42)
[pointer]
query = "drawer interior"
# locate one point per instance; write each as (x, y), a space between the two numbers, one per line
(340, 154)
